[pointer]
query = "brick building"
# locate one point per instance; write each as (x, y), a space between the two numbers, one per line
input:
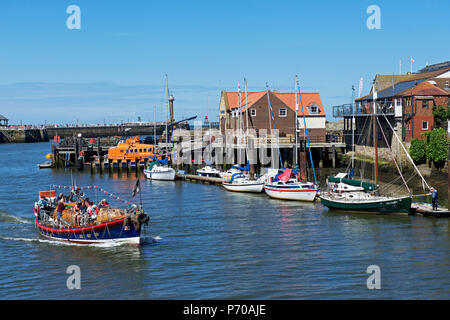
(233, 113)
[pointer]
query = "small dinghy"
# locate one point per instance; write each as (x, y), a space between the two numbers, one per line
(45, 165)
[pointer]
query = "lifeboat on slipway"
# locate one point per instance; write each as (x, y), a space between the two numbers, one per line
(106, 225)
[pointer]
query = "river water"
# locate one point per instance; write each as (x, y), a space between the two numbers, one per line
(206, 243)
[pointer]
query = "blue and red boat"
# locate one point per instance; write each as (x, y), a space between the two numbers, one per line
(107, 224)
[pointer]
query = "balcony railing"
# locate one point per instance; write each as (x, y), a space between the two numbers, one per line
(346, 110)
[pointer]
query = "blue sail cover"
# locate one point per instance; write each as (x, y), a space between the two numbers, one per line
(235, 175)
(165, 161)
(246, 168)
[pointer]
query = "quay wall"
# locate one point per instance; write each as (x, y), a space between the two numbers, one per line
(23, 135)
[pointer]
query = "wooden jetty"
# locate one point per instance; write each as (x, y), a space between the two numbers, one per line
(426, 209)
(200, 179)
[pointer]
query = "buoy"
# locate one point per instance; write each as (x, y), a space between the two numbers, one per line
(49, 156)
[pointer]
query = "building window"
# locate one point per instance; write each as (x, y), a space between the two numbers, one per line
(425, 104)
(253, 112)
(424, 125)
(314, 109)
(282, 112)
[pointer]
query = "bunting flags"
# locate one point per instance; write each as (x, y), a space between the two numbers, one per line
(113, 196)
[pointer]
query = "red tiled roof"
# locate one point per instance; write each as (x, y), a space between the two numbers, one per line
(424, 89)
(252, 97)
(287, 98)
(308, 99)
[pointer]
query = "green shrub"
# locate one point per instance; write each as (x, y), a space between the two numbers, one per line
(417, 151)
(441, 116)
(437, 147)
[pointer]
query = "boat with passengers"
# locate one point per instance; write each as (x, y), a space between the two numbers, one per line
(75, 219)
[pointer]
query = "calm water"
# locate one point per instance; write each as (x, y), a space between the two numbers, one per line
(205, 243)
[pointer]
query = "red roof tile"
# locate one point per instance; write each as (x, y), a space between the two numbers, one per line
(425, 89)
(287, 98)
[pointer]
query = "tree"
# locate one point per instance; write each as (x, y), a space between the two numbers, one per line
(417, 151)
(441, 116)
(437, 147)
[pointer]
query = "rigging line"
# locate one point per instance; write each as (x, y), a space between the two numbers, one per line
(306, 131)
(392, 154)
(273, 121)
(407, 153)
(359, 139)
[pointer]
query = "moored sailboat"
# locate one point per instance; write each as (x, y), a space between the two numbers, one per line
(370, 198)
(159, 170)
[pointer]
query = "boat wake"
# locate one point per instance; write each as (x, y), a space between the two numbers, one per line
(5, 217)
(144, 241)
(150, 239)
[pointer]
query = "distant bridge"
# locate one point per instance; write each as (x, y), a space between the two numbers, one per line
(95, 131)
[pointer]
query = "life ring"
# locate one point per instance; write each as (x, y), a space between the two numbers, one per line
(82, 153)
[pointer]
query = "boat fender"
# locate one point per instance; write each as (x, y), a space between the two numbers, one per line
(36, 209)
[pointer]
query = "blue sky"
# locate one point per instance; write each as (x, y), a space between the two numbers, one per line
(113, 68)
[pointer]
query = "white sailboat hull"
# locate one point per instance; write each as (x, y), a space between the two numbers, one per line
(244, 187)
(168, 175)
(291, 194)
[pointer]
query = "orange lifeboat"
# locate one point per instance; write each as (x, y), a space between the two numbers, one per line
(131, 149)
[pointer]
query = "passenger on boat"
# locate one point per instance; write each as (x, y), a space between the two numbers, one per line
(77, 213)
(59, 210)
(43, 204)
(92, 211)
(60, 197)
(104, 204)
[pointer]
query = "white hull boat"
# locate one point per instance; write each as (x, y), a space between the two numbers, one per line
(160, 173)
(244, 184)
(209, 171)
(292, 190)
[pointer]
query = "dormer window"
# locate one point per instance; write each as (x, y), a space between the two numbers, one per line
(314, 109)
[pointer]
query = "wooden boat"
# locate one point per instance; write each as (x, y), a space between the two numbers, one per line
(112, 224)
(369, 198)
(365, 202)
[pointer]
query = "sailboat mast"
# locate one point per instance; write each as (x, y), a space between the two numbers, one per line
(167, 113)
(154, 128)
(295, 125)
(353, 128)
(375, 140)
(252, 166)
(306, 132)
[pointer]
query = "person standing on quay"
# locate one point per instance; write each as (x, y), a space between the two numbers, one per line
(434, 198)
